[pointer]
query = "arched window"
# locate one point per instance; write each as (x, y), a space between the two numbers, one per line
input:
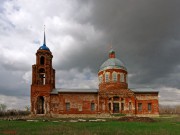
(121, 77)
(114, 77)
(106, 77)
(42, 60)
(42, 77)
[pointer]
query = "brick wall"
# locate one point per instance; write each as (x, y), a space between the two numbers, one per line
(79, 103)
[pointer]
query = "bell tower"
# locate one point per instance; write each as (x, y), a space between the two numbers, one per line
(43, 80)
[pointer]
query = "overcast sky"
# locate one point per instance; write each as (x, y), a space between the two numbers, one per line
(144, 33)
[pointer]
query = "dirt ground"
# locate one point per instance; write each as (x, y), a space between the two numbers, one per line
(136, 119)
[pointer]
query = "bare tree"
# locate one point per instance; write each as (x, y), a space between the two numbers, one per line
(3, 107)
(165, 109)
(27, 108)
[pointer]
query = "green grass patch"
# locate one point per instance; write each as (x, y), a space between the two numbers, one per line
(163, 126)
(118, 114)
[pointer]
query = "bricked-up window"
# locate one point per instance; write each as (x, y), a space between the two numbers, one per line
(121, 77)
(130, 106)
(92, 106)
(67, 106)
(107, 77)
(114, 76)
(139, 106)
(149, 106)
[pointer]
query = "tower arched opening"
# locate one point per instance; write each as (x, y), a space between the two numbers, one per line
(40, 105)
(42, 76)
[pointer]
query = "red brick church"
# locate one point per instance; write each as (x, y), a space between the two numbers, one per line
(112, 97)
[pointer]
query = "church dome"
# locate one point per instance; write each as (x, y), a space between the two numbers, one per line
(44, 47)
(112, 62)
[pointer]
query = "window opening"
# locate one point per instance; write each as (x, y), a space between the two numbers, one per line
(42, 60)
(67, 106)
(149, 106)
(114, 77)
(139, 106)
(42, 77)
(92, 106)
(107, 77)
(116, 107)
(121, 77)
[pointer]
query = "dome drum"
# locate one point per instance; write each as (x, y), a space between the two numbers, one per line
(113, 78)
(113, 74)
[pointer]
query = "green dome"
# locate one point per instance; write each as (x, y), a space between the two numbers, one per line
(112, 63)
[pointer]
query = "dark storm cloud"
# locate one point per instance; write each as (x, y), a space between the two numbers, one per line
(12, 83)
(145, 34)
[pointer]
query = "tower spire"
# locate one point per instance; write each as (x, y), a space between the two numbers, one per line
(44, 43)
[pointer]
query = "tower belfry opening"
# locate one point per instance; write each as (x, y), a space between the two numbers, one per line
(42, 77)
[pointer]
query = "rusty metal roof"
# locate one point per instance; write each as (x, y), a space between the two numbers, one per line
(62, 90)
(144, 90)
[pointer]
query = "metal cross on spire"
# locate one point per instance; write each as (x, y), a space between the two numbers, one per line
(44, 37)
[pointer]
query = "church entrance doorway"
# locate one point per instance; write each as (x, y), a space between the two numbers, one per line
(115, 107)
(40, 105)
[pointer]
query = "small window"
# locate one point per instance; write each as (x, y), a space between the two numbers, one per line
(130, 106)
(107, 77)
(121, 77)
(67, 106)
(42, 60)
(149, 106)
(92, 106)
(114, 75)
(139, 106)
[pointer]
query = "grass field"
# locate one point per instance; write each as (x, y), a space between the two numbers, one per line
(162, 126)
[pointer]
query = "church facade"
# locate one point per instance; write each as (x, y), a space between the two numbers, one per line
(112, 97)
